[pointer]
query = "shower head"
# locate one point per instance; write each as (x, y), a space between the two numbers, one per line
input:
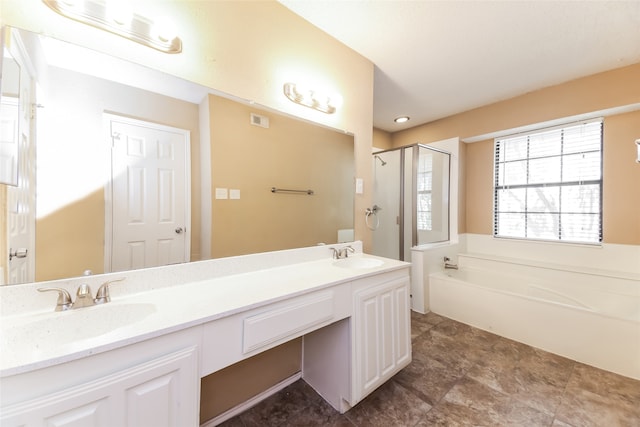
(381, 161)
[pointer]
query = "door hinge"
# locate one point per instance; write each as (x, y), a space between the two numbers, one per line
(34, 109)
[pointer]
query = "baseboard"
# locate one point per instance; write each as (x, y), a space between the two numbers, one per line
(236, 410)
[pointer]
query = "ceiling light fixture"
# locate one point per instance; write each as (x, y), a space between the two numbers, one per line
(310, 98)
(401, 119)
(115, 17)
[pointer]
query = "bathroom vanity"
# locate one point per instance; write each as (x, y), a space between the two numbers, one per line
(138, 360)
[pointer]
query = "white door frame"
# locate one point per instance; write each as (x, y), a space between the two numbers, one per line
(108, 188)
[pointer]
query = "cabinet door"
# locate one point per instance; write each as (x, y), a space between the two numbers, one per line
(402, 335)
(162, 392)
(381, 335)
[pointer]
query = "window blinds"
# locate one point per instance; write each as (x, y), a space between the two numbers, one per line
(548, 184)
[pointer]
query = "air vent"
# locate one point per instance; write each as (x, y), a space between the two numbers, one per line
(258, 120)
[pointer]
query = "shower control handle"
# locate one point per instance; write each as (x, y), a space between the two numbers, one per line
(373, 210)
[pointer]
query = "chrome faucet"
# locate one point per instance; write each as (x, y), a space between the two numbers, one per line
(103, 295)
(448, 264)
(342, 252)
(83, 296)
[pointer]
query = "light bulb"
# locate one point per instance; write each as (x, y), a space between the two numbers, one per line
(119, 12)
(163, 29)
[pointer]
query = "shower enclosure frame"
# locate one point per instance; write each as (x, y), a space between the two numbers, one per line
(415, 153)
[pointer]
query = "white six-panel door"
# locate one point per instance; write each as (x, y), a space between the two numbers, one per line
(150, 188)
(21, 197)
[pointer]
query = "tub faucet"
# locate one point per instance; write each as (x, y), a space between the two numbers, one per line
(448, 264)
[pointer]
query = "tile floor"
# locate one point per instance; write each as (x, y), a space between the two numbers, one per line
(462, 376)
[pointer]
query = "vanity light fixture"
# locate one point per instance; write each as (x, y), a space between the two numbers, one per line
(115, 16)
(401, 119)
(310, 98)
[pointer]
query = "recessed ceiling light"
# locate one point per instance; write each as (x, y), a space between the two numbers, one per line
(401, 119)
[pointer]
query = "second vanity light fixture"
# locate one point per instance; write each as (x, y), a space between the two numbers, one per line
(310, 98)
(116, 17)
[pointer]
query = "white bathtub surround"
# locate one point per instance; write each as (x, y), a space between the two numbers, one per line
(174, 325)
(589, 314)
(608, 257)
(427, 259)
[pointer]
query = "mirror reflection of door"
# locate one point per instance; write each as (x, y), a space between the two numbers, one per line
(150, 194)
(17, 197)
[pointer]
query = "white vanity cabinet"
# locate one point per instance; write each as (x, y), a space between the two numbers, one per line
(355, 325)
(161, 392)
(140, 385)
(381, 331)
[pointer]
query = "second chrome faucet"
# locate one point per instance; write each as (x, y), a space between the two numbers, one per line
(84, 297)
(342, 252)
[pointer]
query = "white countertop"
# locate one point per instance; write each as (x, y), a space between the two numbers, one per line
(38, 339)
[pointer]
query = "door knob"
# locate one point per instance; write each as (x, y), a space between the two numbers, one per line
(179, 230)
(17, 253)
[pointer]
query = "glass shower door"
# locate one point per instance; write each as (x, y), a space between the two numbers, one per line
(431, 196)
(411, 197)
(387, 196)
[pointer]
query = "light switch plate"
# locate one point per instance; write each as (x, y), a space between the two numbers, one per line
(234, 194)
(359, 186)
(221, 193)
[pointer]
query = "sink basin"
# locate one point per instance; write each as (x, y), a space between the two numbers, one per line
(358, 263)
(55, 329)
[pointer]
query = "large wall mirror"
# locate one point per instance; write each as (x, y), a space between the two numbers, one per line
(85, 104)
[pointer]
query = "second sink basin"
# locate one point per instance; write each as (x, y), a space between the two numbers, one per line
(358, 262)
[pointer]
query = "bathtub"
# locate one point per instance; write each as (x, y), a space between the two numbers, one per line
(590, 318)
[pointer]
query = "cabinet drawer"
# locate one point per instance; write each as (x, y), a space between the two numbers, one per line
(287, 320)
(248, 333)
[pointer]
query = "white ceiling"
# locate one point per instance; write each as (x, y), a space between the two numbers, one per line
(437, 58)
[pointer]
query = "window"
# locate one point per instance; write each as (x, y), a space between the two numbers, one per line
(548, 184)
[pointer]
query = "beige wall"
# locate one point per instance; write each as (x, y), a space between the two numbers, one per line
(618, 88)
(290, 154)
(237, 383)
(382, 140)
(598, 92)
(621, 182)
(72, 162)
